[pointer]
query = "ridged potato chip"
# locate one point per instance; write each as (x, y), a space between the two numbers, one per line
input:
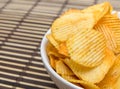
(112, 76)
(72, 77)
(99, 10)
(117, 85)
(87, 47)
(109, 35)
(63, 69)
(113, 23)
(51, 50)
(70, 11)
(53, 61)
(63, 49)
(85, 84)
(63, 27)
(53, 41)
(95, 74)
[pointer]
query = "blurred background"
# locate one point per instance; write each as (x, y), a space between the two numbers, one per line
(22, 26)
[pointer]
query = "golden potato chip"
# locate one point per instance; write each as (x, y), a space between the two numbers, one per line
(63, 69)
(70, 11)
(53, 41)
(95, 74)
(110, 20)
(66, 25)
(109, 35)
(70, 78)
(88, 85)
(63, 49)
(85, 84)
(117, 84)
(99, 10)
(113, 22)
(111, 77)
(51, 50)
(53, 61)
(87, 47)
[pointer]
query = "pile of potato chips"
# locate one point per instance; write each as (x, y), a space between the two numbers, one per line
(84, 47)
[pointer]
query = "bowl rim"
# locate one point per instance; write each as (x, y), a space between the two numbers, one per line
(47, 65)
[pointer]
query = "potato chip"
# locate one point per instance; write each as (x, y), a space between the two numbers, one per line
(71, 77)
(111, 77)
(51, 50)
(109, 19)
(113, 22)
(87, 47)
(109, 35)
(70, 11)
(117, 84)
(53, 61)
(63, 69)
(53, 41)
(95, 74)
(88, 85)
(63, 49)
(66, 25)
(99, 10)
(85, 84)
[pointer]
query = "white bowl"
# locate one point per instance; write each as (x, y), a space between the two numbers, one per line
(58, 80)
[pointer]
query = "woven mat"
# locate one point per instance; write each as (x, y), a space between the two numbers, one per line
(22, 26)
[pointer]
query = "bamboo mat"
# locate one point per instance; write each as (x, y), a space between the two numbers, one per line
(22, 26)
